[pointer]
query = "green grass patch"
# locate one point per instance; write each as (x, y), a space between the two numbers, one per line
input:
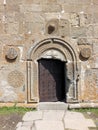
(92, 110)
(14, 109)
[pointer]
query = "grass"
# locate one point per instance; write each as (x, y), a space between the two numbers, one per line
(14, 109)
(92, 110)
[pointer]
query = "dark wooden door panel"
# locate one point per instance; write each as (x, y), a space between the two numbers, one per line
(51, 80)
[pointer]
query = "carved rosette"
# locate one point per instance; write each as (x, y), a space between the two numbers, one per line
(16, 78)
(85, 52)
(11, 54)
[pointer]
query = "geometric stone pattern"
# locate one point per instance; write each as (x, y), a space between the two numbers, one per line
(16, 78)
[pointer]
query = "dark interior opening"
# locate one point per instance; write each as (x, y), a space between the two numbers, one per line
(51, 80)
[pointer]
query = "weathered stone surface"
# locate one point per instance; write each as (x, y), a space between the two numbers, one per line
(90, 31)
(91, 85)
(96, 31)
(11, 54)
(14, 79)
(12, 28)
(52, 26)
(31, 8)
(51, 8)
(95, 46)
(85, 52)
(66, 26)
(95, 2)
(78, 32)
(74, 19)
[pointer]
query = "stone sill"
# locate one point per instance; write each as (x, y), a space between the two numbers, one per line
(34, 105)
(30, 105)
(83, 105)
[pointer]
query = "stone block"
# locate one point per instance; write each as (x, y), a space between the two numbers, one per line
(31, 28)
(74, 19)
(77, 121)
(69, 8)
(51, 8)
(16, 2)
(11, 39)
(96, 31)
(96, 61)
(91, 85)
(51, 1)
(30, 8)
(1, 52)
(52, 106)
(8, 93)
(34, 1)
(2, 28)
(1, 8)
(19, 124)
(49, 115)
(27, 123)
(90, 31)
(34, 17)
(19, 17)
(49, 125)
(12, 8)
(23, 128)
(95, 2)
(78, 32)
(95, 18)
(12, 28)
(30, 116)
(94, 8)
(95, 46)
(84, 19)
(74, 8)
(64, 27)
(22, 28)
(75, 2)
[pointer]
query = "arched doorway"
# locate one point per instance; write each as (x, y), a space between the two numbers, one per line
(52, 51)
(51, 80)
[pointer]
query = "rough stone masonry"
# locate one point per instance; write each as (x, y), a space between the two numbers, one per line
(65, 30)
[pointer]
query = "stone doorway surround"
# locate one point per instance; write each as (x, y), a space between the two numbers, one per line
(53, 48)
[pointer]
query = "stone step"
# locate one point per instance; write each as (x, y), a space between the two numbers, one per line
(52, 106)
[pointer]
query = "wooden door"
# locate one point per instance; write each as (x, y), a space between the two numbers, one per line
(51, 80)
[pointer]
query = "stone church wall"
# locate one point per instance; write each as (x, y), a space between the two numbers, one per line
(26, 22)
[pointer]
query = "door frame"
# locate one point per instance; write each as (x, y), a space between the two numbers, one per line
(47, 49)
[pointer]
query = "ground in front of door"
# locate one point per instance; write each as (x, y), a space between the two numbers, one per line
(55, 120)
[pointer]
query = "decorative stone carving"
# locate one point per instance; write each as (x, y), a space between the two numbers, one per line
(11, 54)
(16, 78)
(52, 26)
(55, 49)
(85, 52)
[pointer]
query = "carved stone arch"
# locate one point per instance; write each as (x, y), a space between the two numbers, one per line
(47, 48)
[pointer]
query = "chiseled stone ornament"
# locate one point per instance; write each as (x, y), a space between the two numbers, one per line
(11, 54)
(16, 78)
(85, 52)
(52, 26)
